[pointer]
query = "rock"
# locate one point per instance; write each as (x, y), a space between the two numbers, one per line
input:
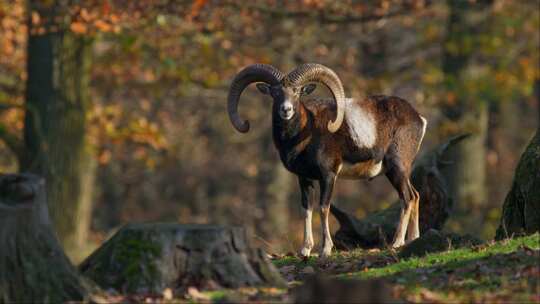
(436, 241)
(379, 227)
(150, 257)
(323, 290)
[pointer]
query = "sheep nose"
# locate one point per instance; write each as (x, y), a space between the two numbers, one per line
(286, 110)
(286, 107)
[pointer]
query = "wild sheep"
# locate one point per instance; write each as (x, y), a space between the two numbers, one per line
(368, 137)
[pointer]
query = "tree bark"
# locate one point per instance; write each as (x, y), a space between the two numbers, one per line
(467, 176)
(33, 267)
(57, 101)
(521, 208)
(273, 189)
(147, 258)
(465, 114)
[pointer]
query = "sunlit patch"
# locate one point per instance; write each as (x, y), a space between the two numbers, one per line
(361, 124)
(367, 169)
(286, 110)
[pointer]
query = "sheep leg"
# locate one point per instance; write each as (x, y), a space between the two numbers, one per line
(327, 187)
(307, 191)
(413, 231)
(398, 178)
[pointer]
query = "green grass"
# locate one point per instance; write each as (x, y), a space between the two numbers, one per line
(506, 271)
(499, 271)
(454, 258)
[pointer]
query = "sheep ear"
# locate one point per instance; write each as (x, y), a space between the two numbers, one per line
(263, 88)
(308, 89)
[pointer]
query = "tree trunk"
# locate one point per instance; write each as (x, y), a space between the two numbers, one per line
(379, 227)
(33, 267)
(467, 175)
(521, 208)
(147, 258)
(57, 101)
(273, 189)
(465, 114)
(504, 140)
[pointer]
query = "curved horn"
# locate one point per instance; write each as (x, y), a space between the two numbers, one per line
(319, 73)
(250, 74)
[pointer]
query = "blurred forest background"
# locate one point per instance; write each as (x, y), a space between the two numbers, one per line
(121, 104)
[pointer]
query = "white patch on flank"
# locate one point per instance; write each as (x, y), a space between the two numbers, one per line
(361, 124)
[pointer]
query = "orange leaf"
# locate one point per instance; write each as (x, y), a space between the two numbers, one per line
(78, 27)
(106, 8)
(196, 8)
(102, 25)
(114, 18)
(85, 15)
(35, 18)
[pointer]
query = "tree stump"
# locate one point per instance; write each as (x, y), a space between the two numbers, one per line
(33, 266)
(521, 208)
(150, 257)
(378, 227)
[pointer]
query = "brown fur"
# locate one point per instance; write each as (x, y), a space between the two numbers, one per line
(402, 129)
(310, 151)
(313, 153)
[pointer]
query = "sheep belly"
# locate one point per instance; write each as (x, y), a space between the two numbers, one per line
(367, 169)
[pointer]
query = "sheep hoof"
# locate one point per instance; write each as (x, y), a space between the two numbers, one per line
(325, 253)
(398, 244)
(305, 252)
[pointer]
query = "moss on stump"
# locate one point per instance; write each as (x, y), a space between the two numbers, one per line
(149, 257)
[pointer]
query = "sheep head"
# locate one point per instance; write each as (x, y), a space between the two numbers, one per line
(285, 90)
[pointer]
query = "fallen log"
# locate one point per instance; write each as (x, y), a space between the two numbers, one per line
(151, 257)
(33, 266)
(378, 228)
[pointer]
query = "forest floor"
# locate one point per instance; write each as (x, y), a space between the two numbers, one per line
(504, 271)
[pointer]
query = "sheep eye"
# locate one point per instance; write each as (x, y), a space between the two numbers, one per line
(276, 93)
